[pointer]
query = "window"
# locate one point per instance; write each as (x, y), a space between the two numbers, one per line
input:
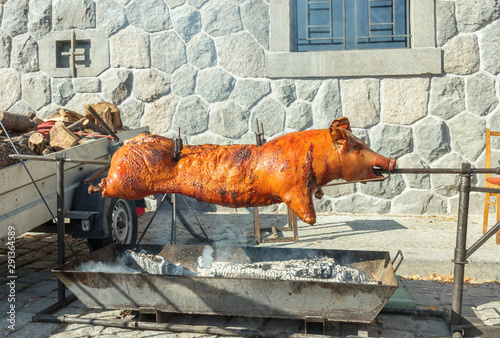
(352, 38)
(350, 24)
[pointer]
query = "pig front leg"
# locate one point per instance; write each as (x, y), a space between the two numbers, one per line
(301, 203)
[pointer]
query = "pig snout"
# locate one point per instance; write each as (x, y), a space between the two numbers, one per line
(360, 165)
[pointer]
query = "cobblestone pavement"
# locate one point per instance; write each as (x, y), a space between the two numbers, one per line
(36, 287)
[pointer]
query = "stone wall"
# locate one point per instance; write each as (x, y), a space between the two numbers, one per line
(199, 65)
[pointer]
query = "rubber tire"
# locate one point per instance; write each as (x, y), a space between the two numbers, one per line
(121, 217)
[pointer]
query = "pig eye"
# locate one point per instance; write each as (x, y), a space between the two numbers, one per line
(356, 147)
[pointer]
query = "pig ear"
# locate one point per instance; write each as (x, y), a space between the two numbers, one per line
(341, 122)
(338, 127)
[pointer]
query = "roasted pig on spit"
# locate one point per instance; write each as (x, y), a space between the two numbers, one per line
(289, 169)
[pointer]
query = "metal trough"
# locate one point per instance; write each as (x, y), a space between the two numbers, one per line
(270, 298)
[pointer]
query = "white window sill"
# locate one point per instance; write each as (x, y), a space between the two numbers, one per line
(356, 63)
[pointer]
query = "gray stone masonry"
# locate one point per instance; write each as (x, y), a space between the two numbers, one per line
(203, 66)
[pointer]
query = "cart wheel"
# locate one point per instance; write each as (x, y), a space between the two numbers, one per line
(121, 217)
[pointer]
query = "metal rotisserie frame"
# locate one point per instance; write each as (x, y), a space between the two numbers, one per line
(348, 302)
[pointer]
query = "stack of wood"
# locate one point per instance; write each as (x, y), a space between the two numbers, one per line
(64, 130)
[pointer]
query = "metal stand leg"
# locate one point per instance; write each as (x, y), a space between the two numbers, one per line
(61, 292)
(173, 233)
(256, 224)
(460, 248)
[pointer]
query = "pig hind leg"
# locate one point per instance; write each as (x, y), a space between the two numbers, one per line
(301, 203)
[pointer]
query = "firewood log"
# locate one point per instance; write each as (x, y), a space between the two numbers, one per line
(108, 118)
(61, 137)
(100, 108)
(78, 125)
(70, 115)
(16, 122)
(87, 124)
(36, 143)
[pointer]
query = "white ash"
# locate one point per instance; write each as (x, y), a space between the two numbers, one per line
(153, 264)
(320, 269)
(136, 262)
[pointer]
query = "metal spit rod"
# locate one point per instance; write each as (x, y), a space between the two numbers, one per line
(437, 171)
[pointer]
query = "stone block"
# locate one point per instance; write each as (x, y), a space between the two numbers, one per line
(191, 115)
(418, 202)
(201, 51)
(481, 94)
(149, 15)
(473, 15)
(255, 17)
(388, 188)
(210, 138)
(228, 119)
(447, 96)
(175, 3)
(299, 116)
(110, 17)
(214, 84)
(404, 100)
(361, 101)
(391, 140)
(73, 14)
(186, 21)
(150, 84)
(184, 80)
(447, 185)
(24, 55)
(87, 85)
(336, 191)
(194, 3)
(15, 17)
(240, 54)
(40, 18)
(168, 52)
(307, 89)
(48, 111)
(158, 114)
(432, 138)
(130, 48)
(221, 17)
(284, 91)
(326, 105)
(446, 25)
(5, 48)
(21, 107)
(490, 40)
(131, 111)
(80, 100)
(362, 204)
(247, 92)
(10, 88)
(271, 114)
(62, 90)
(468, 135)
(461, 55)
(116, 85)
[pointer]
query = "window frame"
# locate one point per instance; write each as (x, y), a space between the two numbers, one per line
(422, 58)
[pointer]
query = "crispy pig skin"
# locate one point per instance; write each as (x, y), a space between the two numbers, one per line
(286, 169)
